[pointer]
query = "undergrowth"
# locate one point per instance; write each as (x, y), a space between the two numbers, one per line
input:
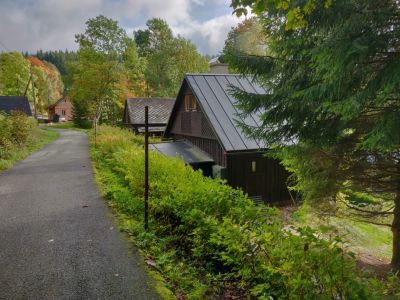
(209, 240)
(19, 137)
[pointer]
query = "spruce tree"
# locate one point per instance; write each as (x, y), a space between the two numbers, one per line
(332, 111)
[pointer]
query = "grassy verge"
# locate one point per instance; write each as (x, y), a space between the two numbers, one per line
(208, 240)
(38, 139)
(64, 125)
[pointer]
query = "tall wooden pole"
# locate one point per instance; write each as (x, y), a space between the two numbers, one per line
(146, 167)
(34, 96)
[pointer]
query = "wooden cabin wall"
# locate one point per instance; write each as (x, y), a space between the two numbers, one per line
(267, 180)
(193, 127)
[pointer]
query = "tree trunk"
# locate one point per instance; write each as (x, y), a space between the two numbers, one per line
(396, 232)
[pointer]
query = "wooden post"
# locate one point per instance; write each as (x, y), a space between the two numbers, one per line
(34, 97)
(146, 168)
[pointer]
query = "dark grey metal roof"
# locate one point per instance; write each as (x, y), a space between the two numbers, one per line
(188, 153)
(159, 110)
(214, 95)
(15, 103)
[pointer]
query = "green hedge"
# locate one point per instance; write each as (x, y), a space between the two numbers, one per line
(209, 240)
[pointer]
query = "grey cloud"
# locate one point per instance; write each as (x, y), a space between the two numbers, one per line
(52, 24)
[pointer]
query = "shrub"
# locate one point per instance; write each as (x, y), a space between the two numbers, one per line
(15, 131)
(208, 238)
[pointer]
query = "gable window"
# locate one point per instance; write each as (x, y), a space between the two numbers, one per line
(190, 103)
(63, 112)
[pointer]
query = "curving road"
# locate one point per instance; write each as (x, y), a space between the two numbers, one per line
(58, 240)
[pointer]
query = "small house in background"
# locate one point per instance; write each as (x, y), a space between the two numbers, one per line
(217, 66)
(15, 103)
(159, 111)
(206, 120)
(62, 110)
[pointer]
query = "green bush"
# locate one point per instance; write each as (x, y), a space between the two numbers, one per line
(15, 131)
(208, 238)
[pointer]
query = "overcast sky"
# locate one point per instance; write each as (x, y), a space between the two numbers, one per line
(29, 25)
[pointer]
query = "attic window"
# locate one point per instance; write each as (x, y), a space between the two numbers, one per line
(190, 103)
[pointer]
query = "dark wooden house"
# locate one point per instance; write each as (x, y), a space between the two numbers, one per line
(205, 117)
(15, 103)
(159, 112)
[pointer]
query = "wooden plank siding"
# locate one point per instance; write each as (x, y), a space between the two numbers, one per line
(211, 125)
(192, 126)
(268, 180)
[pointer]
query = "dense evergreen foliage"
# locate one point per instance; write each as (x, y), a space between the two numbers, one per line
(332, 71)
(58, 58)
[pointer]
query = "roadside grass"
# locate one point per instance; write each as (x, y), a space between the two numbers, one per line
(362, 238)
(208, 241)
(61, 125)
(66, 125)
(114, 189)
(38, 138)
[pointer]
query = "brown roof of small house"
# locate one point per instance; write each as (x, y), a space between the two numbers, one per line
(214, 93)
(58, 101)
(159, 110)
(15, 103)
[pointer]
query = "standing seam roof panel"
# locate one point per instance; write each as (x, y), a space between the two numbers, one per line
(246, 86)
(214, 96)
(228, 112)
(226, 143)
(248, 120)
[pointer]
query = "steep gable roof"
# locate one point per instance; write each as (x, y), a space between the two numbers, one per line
(159, 110)
(214, 95)
(59, 101)
(15, 103)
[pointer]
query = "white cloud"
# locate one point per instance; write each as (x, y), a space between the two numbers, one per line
(211, 33)
(29, 25)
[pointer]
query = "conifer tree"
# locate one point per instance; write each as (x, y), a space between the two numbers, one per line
(332, 111)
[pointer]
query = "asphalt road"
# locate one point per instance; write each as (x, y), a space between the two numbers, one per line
(58, 240)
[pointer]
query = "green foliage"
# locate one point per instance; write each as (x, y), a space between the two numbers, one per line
(63, 61)
(15, 130)
(19, 136)
(247, 38)
(103, 35)
(332, 76)
(208, 238)
(47, 84)
(295, 12)
(135, 67)
(98, 88)
(168, 58)
(14, 73)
